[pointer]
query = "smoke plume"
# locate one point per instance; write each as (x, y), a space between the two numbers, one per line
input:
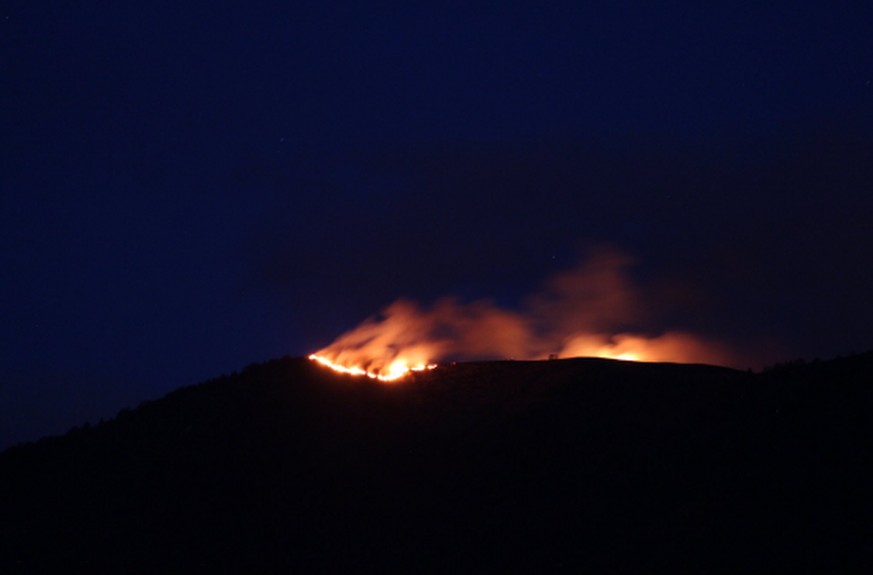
(592, 310)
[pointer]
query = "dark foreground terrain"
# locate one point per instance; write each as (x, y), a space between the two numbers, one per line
(495, 467)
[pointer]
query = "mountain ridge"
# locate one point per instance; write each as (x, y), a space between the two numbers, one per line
(491, 465)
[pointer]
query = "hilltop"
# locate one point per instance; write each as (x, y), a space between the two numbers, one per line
(489, 466)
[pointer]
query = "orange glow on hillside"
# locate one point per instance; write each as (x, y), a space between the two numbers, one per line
(593, 310)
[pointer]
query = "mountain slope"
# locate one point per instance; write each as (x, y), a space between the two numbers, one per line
(493, 466)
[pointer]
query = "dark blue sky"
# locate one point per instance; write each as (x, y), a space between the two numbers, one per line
(188, 187)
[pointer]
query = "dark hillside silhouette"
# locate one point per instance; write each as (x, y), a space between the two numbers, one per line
(479, 467)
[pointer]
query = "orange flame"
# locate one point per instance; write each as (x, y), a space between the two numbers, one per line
(579, 313)
(396, 370)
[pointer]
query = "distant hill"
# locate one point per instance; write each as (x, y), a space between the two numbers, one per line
(471, 468)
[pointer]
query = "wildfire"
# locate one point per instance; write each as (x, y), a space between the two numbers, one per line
(394, 371)
(593, 310)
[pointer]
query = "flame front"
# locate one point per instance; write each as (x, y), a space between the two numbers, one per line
(395, 370)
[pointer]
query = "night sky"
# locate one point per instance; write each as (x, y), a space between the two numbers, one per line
(190, 187)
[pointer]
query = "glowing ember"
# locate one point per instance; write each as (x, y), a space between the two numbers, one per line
(396, 370)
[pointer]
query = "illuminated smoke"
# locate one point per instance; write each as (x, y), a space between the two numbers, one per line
(593, 310)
